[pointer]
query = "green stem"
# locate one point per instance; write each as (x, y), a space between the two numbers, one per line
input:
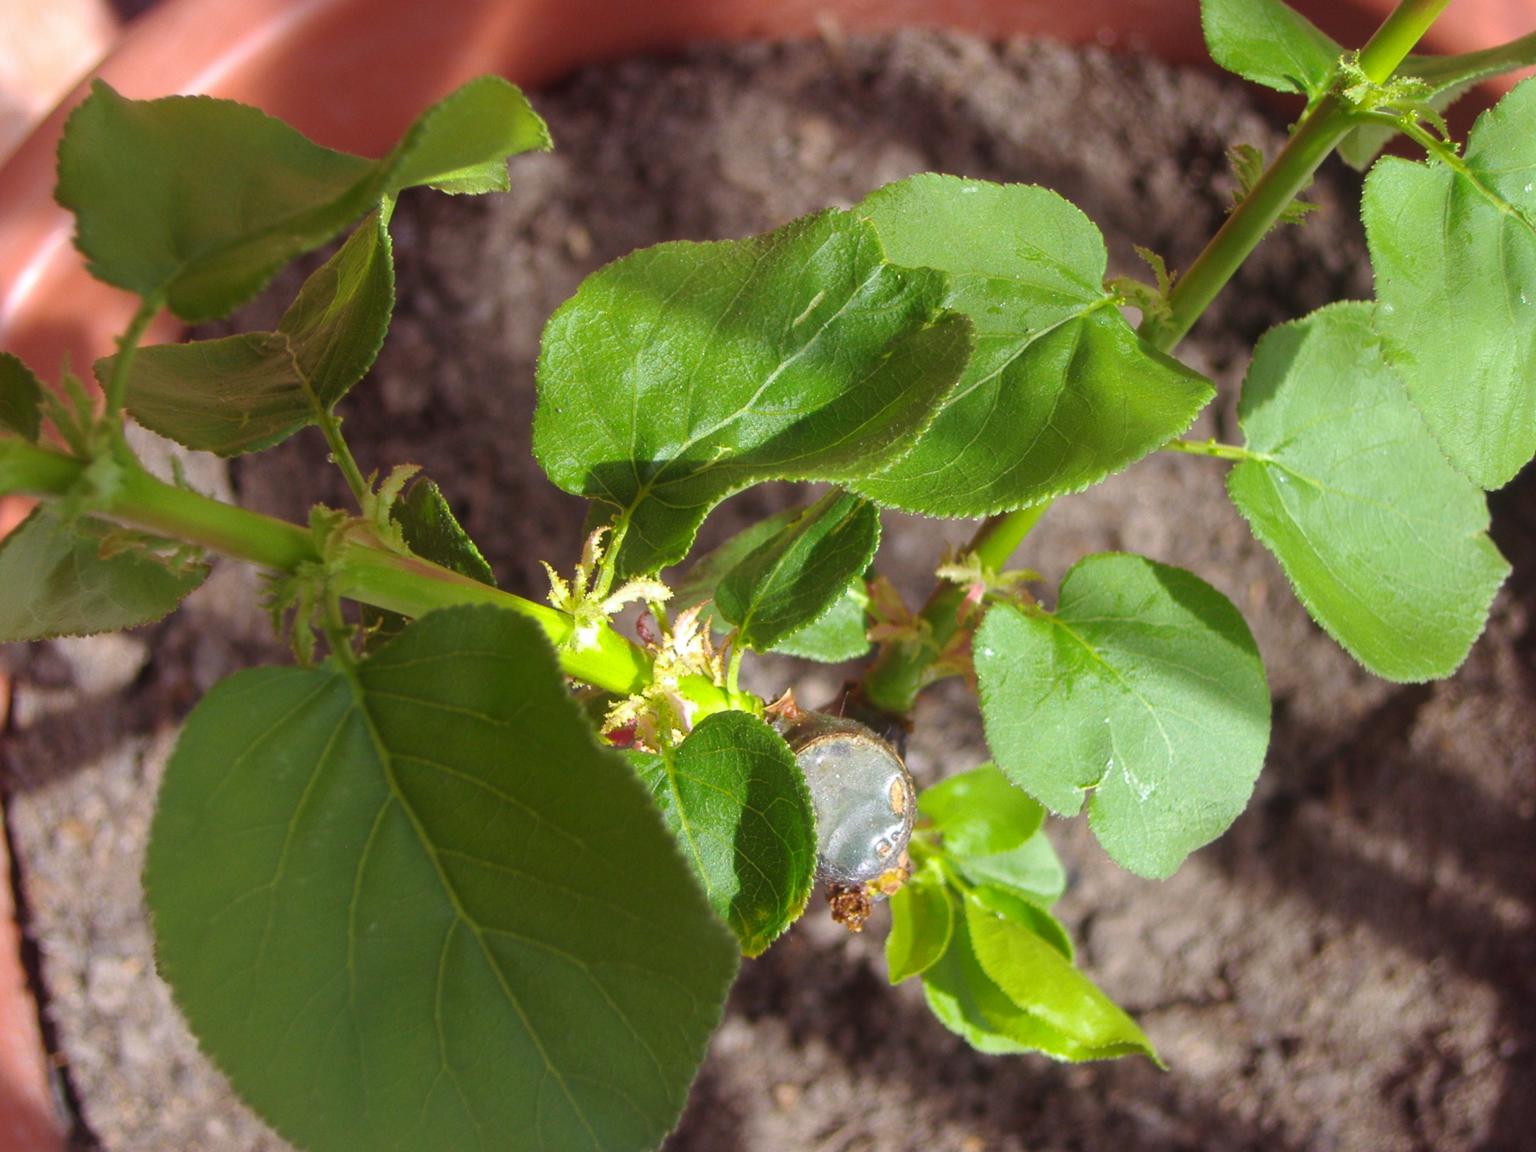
(127, 345)
(365, 573)
(1397, 36)
(904, 669)
(342, 457)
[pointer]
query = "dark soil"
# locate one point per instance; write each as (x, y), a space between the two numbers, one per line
(1352, 968)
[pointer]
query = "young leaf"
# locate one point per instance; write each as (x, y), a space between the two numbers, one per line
(1032, 871)
(837, 635)
(1270, 43)
(685, 372)
(922, 921)
(979, 813)
(970, 1002)
(739, 807)
(1385, 543)
(431, 530)
(1453, 246)
(794, 578)
(1031, 972)
(197, 202)
(415, 905)
(248, 392)
(55, 581)
(1060, 391)
(1026, 911)
(1144, 686)
(21, 398)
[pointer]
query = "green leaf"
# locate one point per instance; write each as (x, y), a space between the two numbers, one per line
(839, 635)
(1384, 542)
(971, 1003)
(836, 636)
(1144, 686)
(739, 806)
(1032, 871)
(922, 921)
(979, 813)
(1042, 983)
(685, 372)
(197, 202)
(1060, 391)
(58, 582)
(432, 531)
(794, 578)
(248, 392)
(1453, 247)
(1270, 43)
(21, 398)
(416, 906)
(1027, 912)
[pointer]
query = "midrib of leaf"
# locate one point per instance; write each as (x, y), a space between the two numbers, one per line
(656, 478)
(1119, 679)
(1320, 554)
(1030, 340)
(669, 765)
(461, 913)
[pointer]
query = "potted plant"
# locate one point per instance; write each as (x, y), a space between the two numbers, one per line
(691, 721)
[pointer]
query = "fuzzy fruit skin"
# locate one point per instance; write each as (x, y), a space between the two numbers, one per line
(863, 795)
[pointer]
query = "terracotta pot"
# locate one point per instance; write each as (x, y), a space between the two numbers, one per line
(352, 73)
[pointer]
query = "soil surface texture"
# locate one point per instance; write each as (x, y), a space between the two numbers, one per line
(1351, 969)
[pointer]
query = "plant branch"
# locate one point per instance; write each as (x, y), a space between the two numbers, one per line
(899, 671)
(363, 572)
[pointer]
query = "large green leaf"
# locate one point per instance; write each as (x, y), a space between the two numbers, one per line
(1453, 247)
(197, 202)
(21, 398)
(739, 806)
(685, 372)
(1385, 543)
(795, 577)
(1060, 391)
(416, 906)
(55, 581)
(248, 392)
(1145, 687)
(1270, 43)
